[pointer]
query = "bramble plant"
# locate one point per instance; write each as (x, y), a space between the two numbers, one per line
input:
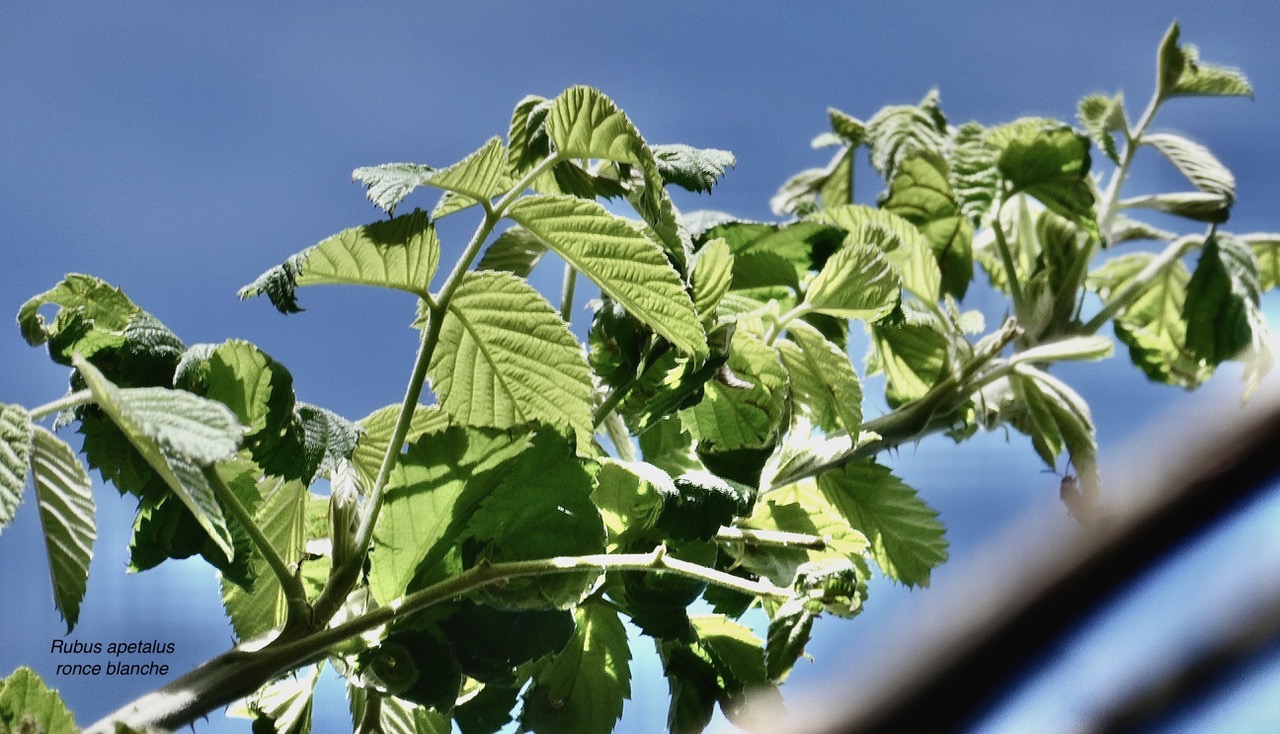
(476, 556)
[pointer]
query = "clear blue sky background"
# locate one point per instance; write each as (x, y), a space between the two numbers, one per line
(179, 150)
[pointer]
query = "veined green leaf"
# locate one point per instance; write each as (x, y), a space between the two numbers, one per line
(28, 705)
(514, 251)
(1152, 326)
(388, 184)
(1101, 117)
(1266, 249)
(906, 538)
(1182, 74)
(395, 715)
(693, 169)
(738, 656)
(1221, 308)
(913, 356)
(712, 275)
(619, 258)
(850, 129)
(15, 457)
(505, 358)
(974, 177)
(282, 517)
(582, 689)
(433, 490)
(95, 316)
(1052, 163)
(284, 705)
(1058, 418)
(527, 140)
(629, 495)
(400, 253)
(1195, 205)
(897, 131)
(1124, 229)
(920, 193)
(1196, 163)
(1085, 348)
(177, 433)
(799, 508)
(375, 435)
(742, 416)
(798, 195)
(478, 176)
(857, 282)
(900, 241)
(65, 496)
(823, 381)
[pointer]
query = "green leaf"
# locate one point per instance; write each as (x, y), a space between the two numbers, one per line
(738, 655)
(913, 356)
(789, 632)
(375, 435)
(395, 715)
(713, 272)
(1051, 163)
(734, 416)
(898, 131)
(15, 456)
(906, 538)
(527, 140)
(490, 643)
(1077, 348)
(824, 385)
(1124, 229)
(1221, 308)
(799, 508)
(693, 169)
(701, 504)
(974, 177)
(65, 496)
(505, 358)
(1196, 163)
(542, 509)
(630, 497)
(177, 433)
(849, 128)
(1194, 205)
(284, 705)
(435, 487)
(920, 193)
(282, 518)
(856, 283)
(400, 253)
(1182, 74)
(1266, 249)
(388, 184)
(900, 241)
(1102, 117)
(1152, 325)
(479, 176)
(514, 251)
(28, 705)
(581, 690)
(1058, 418)
(628, 266)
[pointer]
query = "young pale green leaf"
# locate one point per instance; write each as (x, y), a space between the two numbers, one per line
(921, 193)
(913, 356)
(1124, 229)
(1058, 418)
(282, 517)
(375, 435)
(799, 508)
(1073, 348)
(28, 705)
(900, 241)
(1194, 205)
(1266, 249)
(400, 253)
(582, 690)
(1182, 74)
(713, 272)
(177, 433)
(824, 384)
(628, 266)
(1051, 163)
(693, 169)
(65, 496)
(1102, 117)
(837, 189)
(388, 184)
(799, 194)
(435, 487)
(974, 176)
(514, 251)
(1196, 163)
(527, 141)
(505, 358)
(15, 457)
(479, 176)
(1152, 326)
(857, 282)
(735, 416)
(906, 538)
(898, 131)
(849, 128)
(1221, 308)
(738, 655)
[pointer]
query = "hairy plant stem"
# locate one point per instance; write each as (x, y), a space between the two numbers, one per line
(771, 538)
(1006, 259)
(566, 293)
(620, 436)
(1135, 287)
(73, 400)
(241, 670)
(342, 580)
(612, 399)
(295, 595)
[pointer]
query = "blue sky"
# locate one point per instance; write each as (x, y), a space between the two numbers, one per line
(179, 150)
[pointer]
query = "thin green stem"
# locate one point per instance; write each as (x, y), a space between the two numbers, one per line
(73, 400)
(612, 400)
(1107, 206)
(292, 585)
(1006, 259)
(566, 293)
(620, 436)
(799, 311)
(771, 538)
(1135, 287)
